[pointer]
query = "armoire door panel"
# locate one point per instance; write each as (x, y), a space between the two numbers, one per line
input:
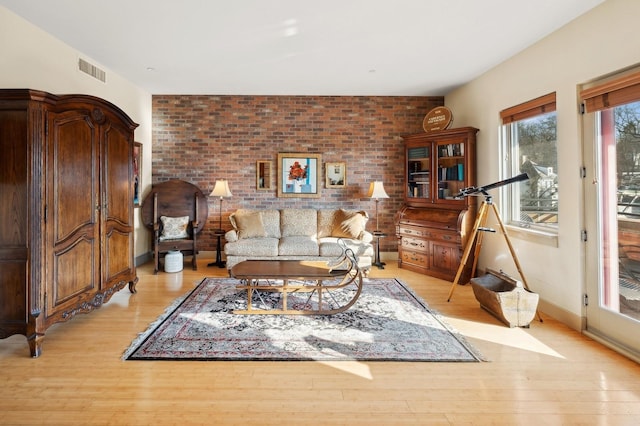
(73, 176)
(74, 208)
(76, 271)
(119, 250)
(117, 179)
(13, 197)
(118, 191)
(13, 299)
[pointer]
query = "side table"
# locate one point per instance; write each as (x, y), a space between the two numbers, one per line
(218, 233)
(378, 235)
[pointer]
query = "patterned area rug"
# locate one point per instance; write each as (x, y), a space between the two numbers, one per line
(387, 323)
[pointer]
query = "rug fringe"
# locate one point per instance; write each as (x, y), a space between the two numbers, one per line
(155, 324)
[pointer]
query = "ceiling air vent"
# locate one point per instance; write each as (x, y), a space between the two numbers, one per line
(92, 70)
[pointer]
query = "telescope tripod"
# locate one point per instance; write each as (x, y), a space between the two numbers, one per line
(477, 234)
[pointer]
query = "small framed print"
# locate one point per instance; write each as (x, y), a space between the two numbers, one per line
(263, 175)
(335, 175)
(299, 175)
(137, 173)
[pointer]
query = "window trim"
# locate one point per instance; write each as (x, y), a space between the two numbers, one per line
(539, 106)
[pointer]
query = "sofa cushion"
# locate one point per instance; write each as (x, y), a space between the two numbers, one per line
(270, 220)
(250, 225)
(299, 245)
(252, 247)
(349, 223)
(299, 222)
(325, 222)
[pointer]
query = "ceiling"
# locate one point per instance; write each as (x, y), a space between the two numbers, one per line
(299, 47)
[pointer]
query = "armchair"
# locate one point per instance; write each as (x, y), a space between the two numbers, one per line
(175, 211)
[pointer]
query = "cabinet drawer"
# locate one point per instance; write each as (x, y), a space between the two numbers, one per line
(415, 258)
(448, 237)
(417, 244)
(415, 231)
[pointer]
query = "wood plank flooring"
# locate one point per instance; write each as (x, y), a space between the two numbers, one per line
(547, 374)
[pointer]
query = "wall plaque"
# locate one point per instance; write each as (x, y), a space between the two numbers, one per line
(437, 119)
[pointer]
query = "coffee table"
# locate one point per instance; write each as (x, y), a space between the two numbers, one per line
(323, 289)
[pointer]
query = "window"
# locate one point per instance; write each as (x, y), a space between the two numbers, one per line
(529, 145)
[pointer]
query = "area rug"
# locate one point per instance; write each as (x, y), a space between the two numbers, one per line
(389, 322)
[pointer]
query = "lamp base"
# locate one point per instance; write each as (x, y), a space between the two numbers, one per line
(218, 233)
(377, 262)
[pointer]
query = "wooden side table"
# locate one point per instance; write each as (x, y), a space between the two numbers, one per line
(378, 235)
(218, 233)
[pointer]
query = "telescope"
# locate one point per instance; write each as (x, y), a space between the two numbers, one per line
(483, 189)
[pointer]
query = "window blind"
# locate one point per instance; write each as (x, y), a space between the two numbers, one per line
(618, 91)
(532, 108)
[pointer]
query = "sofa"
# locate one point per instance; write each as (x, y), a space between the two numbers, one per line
(298, 234)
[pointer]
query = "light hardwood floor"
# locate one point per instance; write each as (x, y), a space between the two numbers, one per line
(547, 374)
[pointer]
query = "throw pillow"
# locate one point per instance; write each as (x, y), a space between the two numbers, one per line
(250, 225)
(174, 228)
(349, 224)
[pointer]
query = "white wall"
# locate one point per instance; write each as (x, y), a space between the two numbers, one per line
(600, 42)
(33, 59)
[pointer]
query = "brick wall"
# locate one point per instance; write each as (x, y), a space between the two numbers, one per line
(200, 139)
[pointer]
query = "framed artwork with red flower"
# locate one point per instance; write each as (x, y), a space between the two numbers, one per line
(299, 175)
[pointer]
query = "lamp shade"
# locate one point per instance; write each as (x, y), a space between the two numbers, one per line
(221, 189)
(376, 190)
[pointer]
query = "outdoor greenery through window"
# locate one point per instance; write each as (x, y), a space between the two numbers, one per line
(627, 132)
(529, 145)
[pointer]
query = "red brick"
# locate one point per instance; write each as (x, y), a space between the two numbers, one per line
(204, 138)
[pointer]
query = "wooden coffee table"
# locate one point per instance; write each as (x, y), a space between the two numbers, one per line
(326, 290)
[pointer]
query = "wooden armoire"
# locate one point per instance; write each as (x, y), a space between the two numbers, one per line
(66, 209)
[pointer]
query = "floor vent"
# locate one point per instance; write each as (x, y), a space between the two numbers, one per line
(92, 70)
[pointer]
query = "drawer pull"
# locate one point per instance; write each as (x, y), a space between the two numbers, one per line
(446, 237)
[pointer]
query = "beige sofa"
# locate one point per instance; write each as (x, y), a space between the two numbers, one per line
(298, 234)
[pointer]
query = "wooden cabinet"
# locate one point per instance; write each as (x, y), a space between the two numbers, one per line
(434, 223)
(66, 209)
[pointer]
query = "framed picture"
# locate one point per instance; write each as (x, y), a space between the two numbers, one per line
(299, 175)
(263, 175)
(137, 173)
(335, 175)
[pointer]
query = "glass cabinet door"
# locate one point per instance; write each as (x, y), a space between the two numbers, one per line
(451, 170)
(419, 172)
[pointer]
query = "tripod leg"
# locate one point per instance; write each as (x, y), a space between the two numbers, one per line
(476, 253)
(480, 220)
(513, 253)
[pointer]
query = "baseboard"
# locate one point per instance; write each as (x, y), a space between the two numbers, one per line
(614, 345)
(143, 258)
(571, 320)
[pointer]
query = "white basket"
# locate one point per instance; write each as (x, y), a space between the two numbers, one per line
(173, 261)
